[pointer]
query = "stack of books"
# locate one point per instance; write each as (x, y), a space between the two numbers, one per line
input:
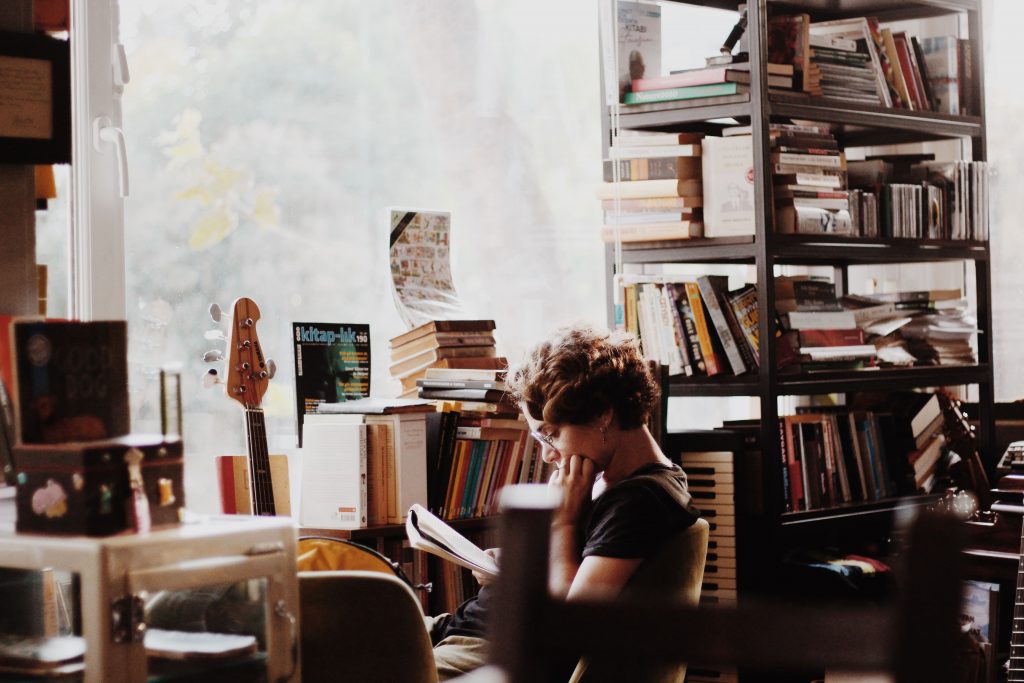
(847, 73)
(443, 344)
(705, 85)
(825, 334)
(479, 443)
(808, 170)
(652, 187)
(809, 176)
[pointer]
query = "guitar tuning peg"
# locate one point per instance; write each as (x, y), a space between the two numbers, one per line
(271, 368)
(215, 335)
(211, 378)
(213, 356)
(216, 313)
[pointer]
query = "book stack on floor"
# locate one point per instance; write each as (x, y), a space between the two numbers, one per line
(696, 328)
(657, 194)
(479, 445)
(363, 462)
(467, 344)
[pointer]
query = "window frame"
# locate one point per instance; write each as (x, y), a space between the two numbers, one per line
(96, 252)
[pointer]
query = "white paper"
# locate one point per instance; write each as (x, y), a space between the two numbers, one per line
(429, 533)
(420, 257)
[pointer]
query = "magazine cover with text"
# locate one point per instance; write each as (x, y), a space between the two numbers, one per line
(332, 364)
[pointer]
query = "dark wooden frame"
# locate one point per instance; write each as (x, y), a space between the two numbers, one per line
(57, 148)
(913, 636)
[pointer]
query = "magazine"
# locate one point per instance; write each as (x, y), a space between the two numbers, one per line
(429, 533)
(332, 363)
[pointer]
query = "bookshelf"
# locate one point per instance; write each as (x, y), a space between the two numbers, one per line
(853, 125)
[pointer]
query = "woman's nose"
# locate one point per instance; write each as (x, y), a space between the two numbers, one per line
(548, 454)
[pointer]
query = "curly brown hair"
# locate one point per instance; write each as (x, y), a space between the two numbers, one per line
(578, 373)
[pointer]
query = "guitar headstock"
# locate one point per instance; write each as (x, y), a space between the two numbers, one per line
(958, 430)
(248, 372)
(962, 441)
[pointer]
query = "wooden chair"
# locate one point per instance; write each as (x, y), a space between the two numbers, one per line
(913, 639)
(674, 573)
(362, 626)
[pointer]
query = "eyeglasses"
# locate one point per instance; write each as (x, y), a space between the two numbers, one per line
(543, 439)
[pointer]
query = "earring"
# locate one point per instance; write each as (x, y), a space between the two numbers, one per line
(604, 435)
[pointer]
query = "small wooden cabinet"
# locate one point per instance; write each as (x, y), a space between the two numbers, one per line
(116, 572)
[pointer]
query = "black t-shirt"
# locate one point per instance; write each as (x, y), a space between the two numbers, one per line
(629, 520)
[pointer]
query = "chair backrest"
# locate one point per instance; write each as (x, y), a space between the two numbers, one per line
(319, 553)
(913, 637)
(362, 626)
(672, 574)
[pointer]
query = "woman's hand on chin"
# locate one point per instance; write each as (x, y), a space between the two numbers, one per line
(575, 479)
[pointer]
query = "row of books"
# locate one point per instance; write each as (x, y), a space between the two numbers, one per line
(845, 455)
(700, 327)
(924, 198)
(479, 468)
(695, 328)
(858, 60)
(479, 443)
(365, 464)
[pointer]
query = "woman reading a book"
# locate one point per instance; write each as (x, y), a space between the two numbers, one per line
(586, 396)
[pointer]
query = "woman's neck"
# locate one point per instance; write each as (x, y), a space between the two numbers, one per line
(634, 448)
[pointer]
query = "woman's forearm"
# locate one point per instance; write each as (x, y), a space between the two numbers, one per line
(565, 558)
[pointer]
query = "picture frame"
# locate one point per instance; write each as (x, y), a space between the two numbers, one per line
(35, 99)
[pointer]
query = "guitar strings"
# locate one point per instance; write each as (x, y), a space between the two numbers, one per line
(262, 490)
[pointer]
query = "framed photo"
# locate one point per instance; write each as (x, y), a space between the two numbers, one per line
(35, 99)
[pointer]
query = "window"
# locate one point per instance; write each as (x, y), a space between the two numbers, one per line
(267, 138)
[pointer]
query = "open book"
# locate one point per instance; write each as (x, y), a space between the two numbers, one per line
(429, 533)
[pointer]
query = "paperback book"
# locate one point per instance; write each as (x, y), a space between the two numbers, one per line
(429, 533)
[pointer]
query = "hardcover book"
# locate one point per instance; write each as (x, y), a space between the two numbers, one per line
(332, 364)
(71, 380)
(728, 186)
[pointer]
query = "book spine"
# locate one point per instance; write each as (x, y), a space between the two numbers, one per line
(744, 308)
(685, 93)
(690, 328)
(712, 363)
(671, 296)
(709, 293)
(787, 490)
(364, 493)
(681, 80)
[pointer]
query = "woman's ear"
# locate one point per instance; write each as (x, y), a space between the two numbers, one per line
(605, 420)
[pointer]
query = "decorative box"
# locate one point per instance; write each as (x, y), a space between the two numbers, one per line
(86, 488)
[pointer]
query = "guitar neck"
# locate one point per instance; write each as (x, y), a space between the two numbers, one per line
(260, 482)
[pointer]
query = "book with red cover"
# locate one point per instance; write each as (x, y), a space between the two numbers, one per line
(852, 337)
